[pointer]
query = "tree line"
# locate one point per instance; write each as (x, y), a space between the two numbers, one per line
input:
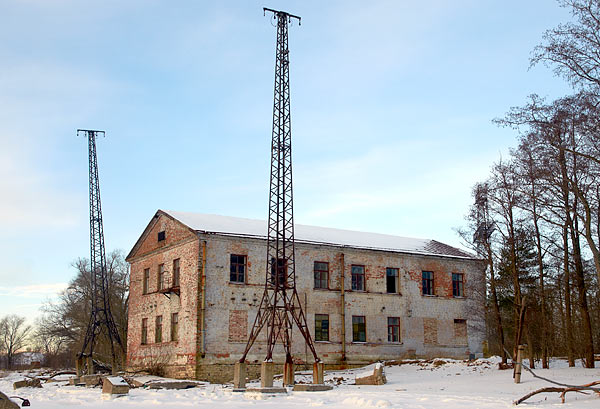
(535, 219)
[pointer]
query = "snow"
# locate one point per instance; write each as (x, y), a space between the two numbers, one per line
(447, 384)
(237, 226)
(117, 381)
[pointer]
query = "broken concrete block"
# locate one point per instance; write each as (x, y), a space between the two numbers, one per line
(6, 403)
(75, 380)
(27, 383)
(115, 385)
(308, 387)
(377, 377)
(91, 380)
(172, 384)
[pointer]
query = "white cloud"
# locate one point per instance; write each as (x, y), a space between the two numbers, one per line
(36, 291)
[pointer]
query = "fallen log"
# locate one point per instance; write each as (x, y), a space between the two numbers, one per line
(562, 391)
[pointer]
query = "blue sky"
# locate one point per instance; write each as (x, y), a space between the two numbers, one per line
(392, 104)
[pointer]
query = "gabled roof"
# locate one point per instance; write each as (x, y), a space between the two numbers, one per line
(237, 226)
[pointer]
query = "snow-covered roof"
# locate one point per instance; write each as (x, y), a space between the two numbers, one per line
(237, 226)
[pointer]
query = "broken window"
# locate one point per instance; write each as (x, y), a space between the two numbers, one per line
(391, 276)
(174, 326)
(393, 329)
(321, 327)
(144, 338)
(321, 274)
(145, 281)
(161, 236)
(457, 285)
(161, 277)
(359, 329)
(158, 329)
(281, 272)
(237, 268)
(427, 282)
(176, 270)
(358, 278)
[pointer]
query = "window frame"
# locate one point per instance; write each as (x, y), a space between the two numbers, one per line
(176, 273)
(356, 331)
(322, 338)
(321, 272)
(237, 273)
(279, 272)
(396, 327)
(158, 335)
(146, 281)
(461, 285)
(175, 326)
(144, 332)
(430, 283)
(354, 277)
(161, 277)
(396, 280)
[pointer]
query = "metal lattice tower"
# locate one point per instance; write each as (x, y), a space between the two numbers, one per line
(280, 306)
(101, 318)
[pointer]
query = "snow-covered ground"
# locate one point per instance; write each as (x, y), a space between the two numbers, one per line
(448, 384)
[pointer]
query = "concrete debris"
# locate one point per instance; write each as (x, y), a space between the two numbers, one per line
(115, 385)
(375, 378)
(27, 383)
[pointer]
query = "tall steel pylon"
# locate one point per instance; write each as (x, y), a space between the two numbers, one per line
(101, 318)
(280, 306)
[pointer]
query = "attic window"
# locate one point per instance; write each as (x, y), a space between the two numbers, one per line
(161, 235)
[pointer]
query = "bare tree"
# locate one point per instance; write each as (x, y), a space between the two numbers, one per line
(13, 336)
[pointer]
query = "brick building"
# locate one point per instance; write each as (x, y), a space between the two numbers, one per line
(197, 281)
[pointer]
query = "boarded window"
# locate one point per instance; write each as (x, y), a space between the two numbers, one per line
(359, 329)
(174, 326)
(427, 282)
(238, 325)
(393, 329)
(457, 285)
(430, 330)
(321, 327)
(145, 281)
(144, 337)
(321, 274)
(176, 270)
(358, 278)
(237, 268)
(158, 329)
(460, 331)
(391, 280)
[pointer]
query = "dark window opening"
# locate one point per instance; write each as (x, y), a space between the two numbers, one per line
(427, 282)
(391, 276)
(144, 340)
(145, 281)
(321, 274)
(161, 235)
(174, 326)
(321, 327)
(176, 270)
(279, 274)
(162, 284)
(393, 329)
(158, 329)
(359, 329)
(457, 285)
(358, 278)
(237, 268)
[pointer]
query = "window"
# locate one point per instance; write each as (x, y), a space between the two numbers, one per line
(457, 285)
(358, 278)
(145, 281)
(391, 280)
(161, 236)
(427, 282)
(237, 268)
(359, 329)
(321, 327)
(158, 329)
(281, 272)
(393, 329)
(174, 326)
(321, 274)
(144, 340)
(161, 277)
(176, 269)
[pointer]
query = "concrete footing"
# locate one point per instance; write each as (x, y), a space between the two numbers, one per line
(312, 388)
(288, 374)
(272, 389)
(239, 375)
(266, 375)
(318, 373)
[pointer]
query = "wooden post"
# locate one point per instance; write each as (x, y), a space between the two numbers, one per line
(519, 363)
